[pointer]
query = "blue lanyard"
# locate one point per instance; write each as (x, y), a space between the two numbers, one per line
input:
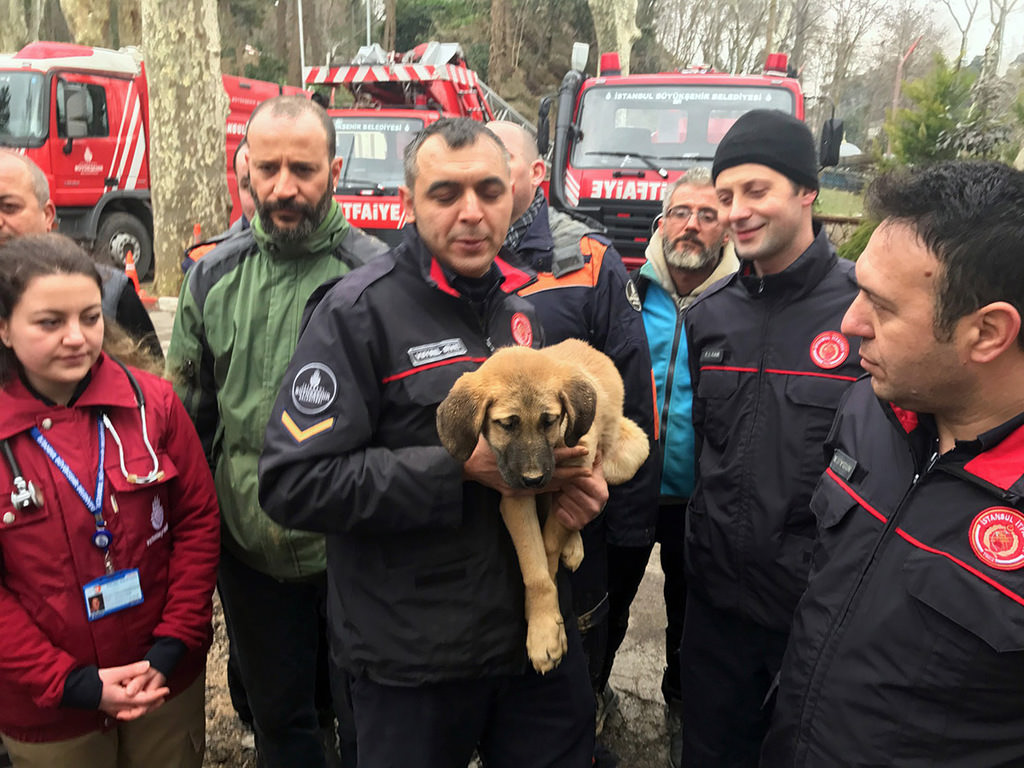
(94, 505)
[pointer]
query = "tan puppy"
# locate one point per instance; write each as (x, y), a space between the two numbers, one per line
(527, 402)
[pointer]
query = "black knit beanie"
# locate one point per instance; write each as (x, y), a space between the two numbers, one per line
(772, 138)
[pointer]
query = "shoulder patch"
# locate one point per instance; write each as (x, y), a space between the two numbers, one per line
(633, 295)
(314, 389)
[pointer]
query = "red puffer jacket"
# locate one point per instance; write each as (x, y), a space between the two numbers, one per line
(169, 530)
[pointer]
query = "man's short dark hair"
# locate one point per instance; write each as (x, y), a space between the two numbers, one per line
(457, 132)
(970, 215)
(293, 106)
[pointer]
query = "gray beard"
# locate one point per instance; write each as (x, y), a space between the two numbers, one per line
(688, 259)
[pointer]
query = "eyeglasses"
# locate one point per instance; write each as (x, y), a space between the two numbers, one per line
(684, 212)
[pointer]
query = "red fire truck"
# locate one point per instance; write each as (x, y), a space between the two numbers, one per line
(82, 114)
(620, 140)
(395, 96)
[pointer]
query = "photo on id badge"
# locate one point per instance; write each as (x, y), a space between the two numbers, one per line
(112, 593)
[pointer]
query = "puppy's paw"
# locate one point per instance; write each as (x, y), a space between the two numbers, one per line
(546, 643)
(572, 552)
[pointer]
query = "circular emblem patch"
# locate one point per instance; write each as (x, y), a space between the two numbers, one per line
(997, 538)
(829, 349)
(633, 296)
(522, 331)
(314, 388)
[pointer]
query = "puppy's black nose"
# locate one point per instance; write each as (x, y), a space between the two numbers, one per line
(532, 482)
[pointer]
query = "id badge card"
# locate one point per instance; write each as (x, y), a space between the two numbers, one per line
(113, 593)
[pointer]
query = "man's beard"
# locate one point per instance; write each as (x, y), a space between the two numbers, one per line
(689, 259)
(312, 217)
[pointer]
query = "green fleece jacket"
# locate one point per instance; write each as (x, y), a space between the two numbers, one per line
(234, 334)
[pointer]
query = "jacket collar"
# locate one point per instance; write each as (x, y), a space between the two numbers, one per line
(995, 457)
(108, 387)
(799, 277)
(513, 278)
(536, 247)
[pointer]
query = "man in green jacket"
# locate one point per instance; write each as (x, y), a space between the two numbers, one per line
(235, 330)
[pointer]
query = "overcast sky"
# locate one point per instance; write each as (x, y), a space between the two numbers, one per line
(981, 30)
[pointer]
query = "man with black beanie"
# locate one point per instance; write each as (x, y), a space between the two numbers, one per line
(768, 364)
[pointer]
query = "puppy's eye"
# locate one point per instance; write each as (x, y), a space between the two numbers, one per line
(549, 419)
(509, 423)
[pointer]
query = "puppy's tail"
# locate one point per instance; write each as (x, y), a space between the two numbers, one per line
(627, 453)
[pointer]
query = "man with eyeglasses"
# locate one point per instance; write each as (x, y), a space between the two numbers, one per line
(688, 253)
(769, 364)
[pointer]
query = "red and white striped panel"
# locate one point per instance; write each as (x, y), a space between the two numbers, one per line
(131, 143)
(392, 73)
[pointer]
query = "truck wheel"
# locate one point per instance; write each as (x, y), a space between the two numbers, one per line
(122, 232)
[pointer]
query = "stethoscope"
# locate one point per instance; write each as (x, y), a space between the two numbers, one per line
(25, 493)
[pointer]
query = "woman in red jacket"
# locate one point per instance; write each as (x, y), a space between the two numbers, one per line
(109, 534)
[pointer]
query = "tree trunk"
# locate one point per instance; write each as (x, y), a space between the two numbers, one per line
(390, 24)
(129, 22)
(187, 110)
(499, 65)
(88, 21)
(35, 19)
(615, 25)
(13, 33)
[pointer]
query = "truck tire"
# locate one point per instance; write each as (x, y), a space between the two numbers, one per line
(119, 233)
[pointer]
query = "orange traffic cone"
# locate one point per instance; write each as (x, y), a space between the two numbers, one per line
(133, 275)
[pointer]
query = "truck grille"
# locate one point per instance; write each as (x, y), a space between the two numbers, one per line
(628, 223)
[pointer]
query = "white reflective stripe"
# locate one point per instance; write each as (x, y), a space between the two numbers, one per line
(119, 145)
(140, 152)
(572, 189)
(133, 128)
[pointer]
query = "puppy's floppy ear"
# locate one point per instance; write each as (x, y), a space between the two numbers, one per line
(579, 399)
(460, 417)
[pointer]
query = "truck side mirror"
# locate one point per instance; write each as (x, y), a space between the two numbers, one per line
(831, 140)
(544, 126)
(77, 117)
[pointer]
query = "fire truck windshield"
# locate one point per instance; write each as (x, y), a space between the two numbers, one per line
(22, 113)
(670, 126)
(371, 149)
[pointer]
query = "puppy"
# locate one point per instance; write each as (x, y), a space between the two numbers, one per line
(527, 402)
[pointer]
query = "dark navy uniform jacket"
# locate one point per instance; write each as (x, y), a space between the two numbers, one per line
(768, 365)
(424, 583)
(908, 647)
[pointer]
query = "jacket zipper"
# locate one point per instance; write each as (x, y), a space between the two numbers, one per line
(669, 378)
(747, 484)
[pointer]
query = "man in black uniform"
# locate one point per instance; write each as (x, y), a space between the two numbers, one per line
(908, 647)
(426, 597)
(768, 366)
